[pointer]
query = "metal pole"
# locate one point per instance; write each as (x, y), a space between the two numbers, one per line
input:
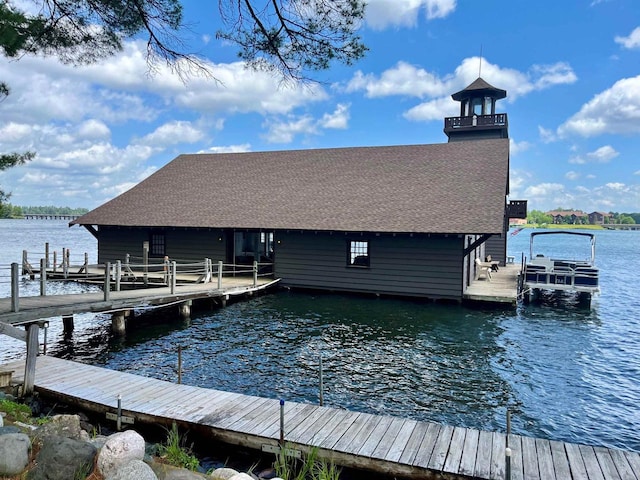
(220, 275)
(119, 417)
(118, 274)
(507, 450)
(321, 384)
(179, 364)
(282, 422)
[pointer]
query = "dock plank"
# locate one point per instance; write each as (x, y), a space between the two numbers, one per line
(545, 460)
(530, 459)
(623, 466)
(469, 453)
(441, 448)
(483, 458)
(390, 437)
(498, 457)
(517, 469)
(375, 437)
(408, 455)
(456, 448)
(606, 463)
(332, 437)
(427, 445)
(576, 463)
(560, 460)
(591, 463)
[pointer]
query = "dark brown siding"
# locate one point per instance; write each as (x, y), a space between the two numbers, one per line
(418, 266)
(181, 244)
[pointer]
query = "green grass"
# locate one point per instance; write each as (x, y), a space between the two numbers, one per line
(309, 467)
(175, 453)
(15, 411)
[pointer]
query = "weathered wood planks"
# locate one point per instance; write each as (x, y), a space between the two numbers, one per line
(391, 445)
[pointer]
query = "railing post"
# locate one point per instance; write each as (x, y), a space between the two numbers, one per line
(86, 264)
(166, 270)
(220, 265)
(118, 274)
(145, 263)
(174, 271)
(65, 262)
(107, 281)
(25, 262)
(43, 277)
(46, 253)
(255, 273)
(55, 261)
(15, 288)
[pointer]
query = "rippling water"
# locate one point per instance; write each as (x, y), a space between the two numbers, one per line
(566, 373)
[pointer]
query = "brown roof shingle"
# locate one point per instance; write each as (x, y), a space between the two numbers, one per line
(455, 187)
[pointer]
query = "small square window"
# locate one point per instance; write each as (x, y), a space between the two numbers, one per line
(358, 253)
(157, 245)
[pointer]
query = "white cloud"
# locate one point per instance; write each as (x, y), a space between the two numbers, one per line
(381, 14)
(546, 135)
(411, 81)
(285, 131)
(93, 130)
(616, 110)
(631, 41)
(603, 154)
(571, 175)
(339, 119)
(172, 133)
(517, 147)
(228, 149)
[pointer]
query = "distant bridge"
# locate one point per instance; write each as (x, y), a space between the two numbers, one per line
(49, 216)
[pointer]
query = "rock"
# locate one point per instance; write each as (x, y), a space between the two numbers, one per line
(133, 469)
(9, 429)
(120, 448)
(169, 472)
(98, 441)
(14, 453)
(67, 426)
(223, 473)
(2, 420)
(241, 476)
(62, 458)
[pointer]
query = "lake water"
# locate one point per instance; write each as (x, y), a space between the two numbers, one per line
(565, 372)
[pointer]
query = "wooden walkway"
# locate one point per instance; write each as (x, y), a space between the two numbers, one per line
(503, 287)
(395, 446)
(39, 307)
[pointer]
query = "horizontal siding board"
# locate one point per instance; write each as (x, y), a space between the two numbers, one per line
(402, 265)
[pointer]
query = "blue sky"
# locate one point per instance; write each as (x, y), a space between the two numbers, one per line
(571, 70)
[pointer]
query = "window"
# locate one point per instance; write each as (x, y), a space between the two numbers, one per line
(358, 253)
(157, 246)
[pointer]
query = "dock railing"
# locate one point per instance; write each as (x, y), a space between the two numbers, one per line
(119, 275)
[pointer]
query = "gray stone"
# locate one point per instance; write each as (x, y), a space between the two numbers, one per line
(133, 469)
(62, 458)
(61, 426)
(14, 453)
(223, 473)
(9, 429)
(241, 476)
(169, 472)
(1, 419)
(120, 448)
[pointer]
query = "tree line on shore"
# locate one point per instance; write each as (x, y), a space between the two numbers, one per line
(539, 217)
(11, 211)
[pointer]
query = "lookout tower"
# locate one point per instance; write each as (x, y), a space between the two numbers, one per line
(478, 118)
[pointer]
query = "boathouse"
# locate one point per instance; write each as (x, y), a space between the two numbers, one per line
(405, 220)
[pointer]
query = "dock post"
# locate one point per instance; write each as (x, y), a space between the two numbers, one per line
(43, 277)
(86, 264)
(45, 327)
(26, 267)
(184, 310)
(119, 417)
(67, 324)
(30, 365)
(46, 254)
(118, 274)
(255, 273)
(55, 261)
(65, 262)
(118, 323)
(220, 265)
(107, 281)
(15, 288)
(174, 271)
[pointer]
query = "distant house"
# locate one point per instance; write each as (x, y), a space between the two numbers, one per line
(567, 216)
(397, 220)
(599, 218)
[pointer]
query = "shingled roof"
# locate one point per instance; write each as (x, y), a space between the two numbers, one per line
(455, 187)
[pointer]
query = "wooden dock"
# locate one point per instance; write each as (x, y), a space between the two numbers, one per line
(40, 307)
(501, 289)
(390, 445)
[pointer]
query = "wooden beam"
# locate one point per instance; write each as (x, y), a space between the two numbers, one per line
(13, 332)
(32, 353)
(483, 238)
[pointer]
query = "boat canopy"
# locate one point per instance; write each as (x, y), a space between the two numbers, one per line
(591, 236)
